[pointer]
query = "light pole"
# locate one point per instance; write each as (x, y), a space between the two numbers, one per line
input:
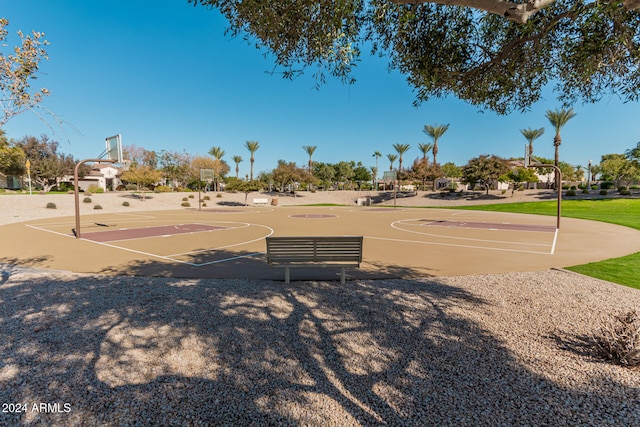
(589, 175)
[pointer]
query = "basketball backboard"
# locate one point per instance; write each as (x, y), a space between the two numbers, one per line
(207, 175)
(389, 176)
(114, 148)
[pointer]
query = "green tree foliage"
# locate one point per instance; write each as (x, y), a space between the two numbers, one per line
(484, 170)
(142, 176)
(48, 166)
(499, 60)
(360, 173)
(450, 170)
(344, 174)
(287, 173)
(325, 173)
(12, 158)
(422, 172)
(175, 167)
(18, 69)
(618, 168)
(517, 176)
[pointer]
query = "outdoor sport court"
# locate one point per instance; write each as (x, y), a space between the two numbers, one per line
(229, 242)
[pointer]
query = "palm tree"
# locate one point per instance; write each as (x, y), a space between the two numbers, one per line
(532, 135)
(217, 152)
(435, 132)
(558, 119)
(237, 160)
(377, 155)
(425, 148)
(392, 158)
(310, 149)
(401, 149)
(252, 146)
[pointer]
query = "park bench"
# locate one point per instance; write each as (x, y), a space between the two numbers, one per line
(261, 201)
(314, 251)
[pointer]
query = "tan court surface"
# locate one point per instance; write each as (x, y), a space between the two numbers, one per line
(229, 242)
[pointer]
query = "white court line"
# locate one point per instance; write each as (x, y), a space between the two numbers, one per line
(460, 238)
(228, 259)
(555, 238)
(49, 231)
(228, 246)
(460, 246)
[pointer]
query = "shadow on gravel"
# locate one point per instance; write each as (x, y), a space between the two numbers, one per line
(137, 351)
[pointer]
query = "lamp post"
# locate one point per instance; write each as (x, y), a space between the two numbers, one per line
(589, 175)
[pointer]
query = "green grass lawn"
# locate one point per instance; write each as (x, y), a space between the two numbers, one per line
(626, 212)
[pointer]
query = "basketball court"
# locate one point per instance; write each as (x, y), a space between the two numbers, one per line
(229, 242)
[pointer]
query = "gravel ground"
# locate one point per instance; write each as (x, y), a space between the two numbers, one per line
(491, 350)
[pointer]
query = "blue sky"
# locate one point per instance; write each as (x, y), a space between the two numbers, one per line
(164, 75)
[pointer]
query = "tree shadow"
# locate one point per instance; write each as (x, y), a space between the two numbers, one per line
(133, 351)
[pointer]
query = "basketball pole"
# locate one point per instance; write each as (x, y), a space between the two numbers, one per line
(76, 190)
(559, 183)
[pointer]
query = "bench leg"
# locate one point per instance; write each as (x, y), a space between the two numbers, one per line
(286, 275)
(342, 276)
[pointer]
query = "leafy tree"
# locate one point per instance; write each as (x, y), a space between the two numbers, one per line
(360, 173)
(142, 176)
(484, 170)
(48, 166)
(450, 170)
(517, 176)
(633, 154)
(494, 54)
(344, 173)
(532, 135)
(422, 171)
(252, 146)
(12, 158)
(18, 70)
(325, 173)
(618, 168)
(401, 149)
(236, 184)
(435, 132)
(140, 156)
(287, 173)
(176, 167)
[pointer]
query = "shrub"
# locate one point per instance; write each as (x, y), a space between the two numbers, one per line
(162, 189)
(184, 199)
(204, 205)
(191, 196)
(585, 191)
(565, 187)
(443, 194)
(219, 195)
(622, 188)
(574, 188)
(603, 192)
(95, 189)
(125, 203)
(206, 198)
(97, 207)
(619, 338)
(185, 204)
(625, 192)
(131, 187)
(51, 205)
(634, 187)
(607, 185)
(594, 187)
(86, 200)
(570, 193)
